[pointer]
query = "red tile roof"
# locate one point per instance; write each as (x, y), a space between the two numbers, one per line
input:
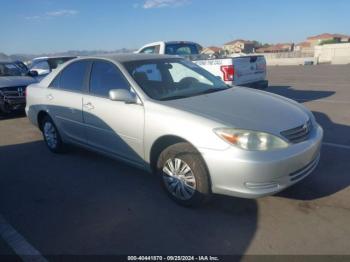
(214, 48)
(326, 36)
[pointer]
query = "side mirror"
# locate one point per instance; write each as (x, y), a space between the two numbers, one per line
(33, 73)
(41, 72)
(122, 95)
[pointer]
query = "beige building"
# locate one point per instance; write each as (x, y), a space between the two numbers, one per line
(303, 46)
(239, 46)
(278, 48)
(211, 50)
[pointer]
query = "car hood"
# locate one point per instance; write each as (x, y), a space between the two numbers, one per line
(11, 81)
(245, 108)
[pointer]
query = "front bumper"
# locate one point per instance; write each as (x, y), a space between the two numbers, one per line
(12, 102)
(253, 174)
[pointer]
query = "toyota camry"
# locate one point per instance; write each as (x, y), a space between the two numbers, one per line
(171, 117)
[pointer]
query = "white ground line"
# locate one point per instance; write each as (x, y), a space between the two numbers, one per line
(321, 100)
(19, 245)
(336, 145)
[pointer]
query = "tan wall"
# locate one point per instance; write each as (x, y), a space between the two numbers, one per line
(294, 54)
(289, 61)
(334, 53)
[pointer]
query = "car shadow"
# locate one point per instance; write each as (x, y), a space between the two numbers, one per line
(12, 115)
(331, 175)
(299, 95)
(84, 203)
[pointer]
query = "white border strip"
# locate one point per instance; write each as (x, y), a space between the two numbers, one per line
(321, 100)
(19, 245)
(336, 145)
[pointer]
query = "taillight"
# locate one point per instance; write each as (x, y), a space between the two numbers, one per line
(228, 72)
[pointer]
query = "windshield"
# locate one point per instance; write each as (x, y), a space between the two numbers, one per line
(22, 66)
(10, 69)
(168, 79)
(181, 49)
(55, 62)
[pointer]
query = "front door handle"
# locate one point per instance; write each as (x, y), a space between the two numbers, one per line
(89, 106)
(49, 97)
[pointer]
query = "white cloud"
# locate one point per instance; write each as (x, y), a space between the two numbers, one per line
(58, 13)
(164, 3)
(62, 13)
(34, 17)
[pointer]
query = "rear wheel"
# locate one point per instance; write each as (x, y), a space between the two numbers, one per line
(51, 136)
(184, 175)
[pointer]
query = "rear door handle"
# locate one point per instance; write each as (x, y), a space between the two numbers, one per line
(49, 97)
(89, 106)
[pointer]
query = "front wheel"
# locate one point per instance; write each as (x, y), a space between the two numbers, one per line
(184, 175)
(51, 136)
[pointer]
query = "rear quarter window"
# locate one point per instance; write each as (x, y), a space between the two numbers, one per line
(56, 82)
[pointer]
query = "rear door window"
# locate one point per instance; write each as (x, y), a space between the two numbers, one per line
(104, 77)
(151, 50)
(181, 49)
(73, 76)
(42, 65)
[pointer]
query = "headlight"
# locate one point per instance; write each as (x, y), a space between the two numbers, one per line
(251, 140)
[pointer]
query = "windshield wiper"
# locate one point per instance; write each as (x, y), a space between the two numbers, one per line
(212, 90)
(172, 98)
(208, 91)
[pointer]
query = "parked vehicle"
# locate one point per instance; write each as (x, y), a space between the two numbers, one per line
(23, 67)
(13, 83)
(247, 70)
(44, 65)
(168, 115)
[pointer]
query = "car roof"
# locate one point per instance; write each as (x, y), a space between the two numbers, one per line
(132, 57)
(51, 57)
(7, 62)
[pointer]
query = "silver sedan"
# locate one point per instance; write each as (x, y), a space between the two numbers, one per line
(171, 117)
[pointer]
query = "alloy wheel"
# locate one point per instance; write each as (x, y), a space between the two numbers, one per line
(50, 135)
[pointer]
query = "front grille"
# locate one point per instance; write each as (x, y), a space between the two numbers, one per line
(298, 134)
(13, 92)
(305, 170)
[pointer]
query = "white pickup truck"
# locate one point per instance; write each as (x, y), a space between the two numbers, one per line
(247, 70)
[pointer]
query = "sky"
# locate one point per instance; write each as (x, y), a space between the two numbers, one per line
(47, 26)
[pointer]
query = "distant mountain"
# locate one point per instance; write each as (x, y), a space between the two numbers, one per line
(3, 57)
(26, 57)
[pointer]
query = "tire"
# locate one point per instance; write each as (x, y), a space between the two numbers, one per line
(190, 187)
(5, 109)
(51, 136)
